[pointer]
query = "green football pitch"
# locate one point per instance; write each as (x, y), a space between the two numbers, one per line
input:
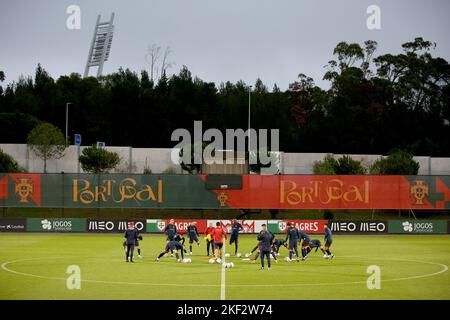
(34, 266)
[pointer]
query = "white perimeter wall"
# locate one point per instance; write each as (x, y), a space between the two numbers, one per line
(133, 160)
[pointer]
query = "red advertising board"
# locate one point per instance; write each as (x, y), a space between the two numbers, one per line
(249, 226)
(338, 192)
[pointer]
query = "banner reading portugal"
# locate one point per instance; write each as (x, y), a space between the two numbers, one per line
(257, 192)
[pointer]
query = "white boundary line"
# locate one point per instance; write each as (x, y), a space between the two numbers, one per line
(222, 276)
(222, 285)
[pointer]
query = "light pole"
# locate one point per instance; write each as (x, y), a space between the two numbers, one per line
(67, 121)
(249, 104)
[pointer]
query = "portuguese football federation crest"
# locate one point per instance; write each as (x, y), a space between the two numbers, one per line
(419, 191)
(24, 189)
(282, 225)
(161, 225)
(222, 197)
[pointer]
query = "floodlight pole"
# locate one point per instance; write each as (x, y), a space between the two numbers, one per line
(86, 70)
(67, 122)
(249, 105)
(105, 48)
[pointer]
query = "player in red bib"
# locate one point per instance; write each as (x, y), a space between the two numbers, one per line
(218, 235)
(209, 239)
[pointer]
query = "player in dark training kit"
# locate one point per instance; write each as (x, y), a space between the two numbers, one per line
(178, 237)
(136, 245)
(265, 245)
(170, 230)
(235, 228)
(305, 244)
(277, 243)
(292, 235)
(131, 235)
(315, 244)
(193, 235)
(328, 242)
(173, 246)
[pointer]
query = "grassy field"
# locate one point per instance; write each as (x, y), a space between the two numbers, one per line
(33, 266)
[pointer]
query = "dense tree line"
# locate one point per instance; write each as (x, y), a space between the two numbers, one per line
(374, 104)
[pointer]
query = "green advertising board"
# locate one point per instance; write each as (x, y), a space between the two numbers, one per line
(155, 225)
(417, 226)
(56, 225)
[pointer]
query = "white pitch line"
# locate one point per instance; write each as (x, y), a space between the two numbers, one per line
(222, 277)
(444, 269)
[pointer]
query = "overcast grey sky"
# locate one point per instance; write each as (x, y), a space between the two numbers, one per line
(217, 40)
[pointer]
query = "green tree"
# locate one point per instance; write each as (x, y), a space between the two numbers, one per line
(342, 166)
(326, 166)
(347, 165)
(2, 78)
(398, 162)
(98, 160)
(8, 164)
(47, 142)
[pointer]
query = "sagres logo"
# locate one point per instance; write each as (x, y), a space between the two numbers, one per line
(282, 225)
(419, 191)
(407, 226)
(46, 225)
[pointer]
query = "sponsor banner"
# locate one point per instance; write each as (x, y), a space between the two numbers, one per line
(56, 225)
(249, 226)
(258, 192)
(448, 226)
(112, 225)
(13, 225)
(338, 192)
(360, 227)
(155, 225)
(417, 226)
(308, 226)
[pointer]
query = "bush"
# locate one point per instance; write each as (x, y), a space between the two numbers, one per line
(326, 166)
(343, 166)
(170, 170)
(98, 160)
(398, 162)
(8, 164)
(147, 170)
